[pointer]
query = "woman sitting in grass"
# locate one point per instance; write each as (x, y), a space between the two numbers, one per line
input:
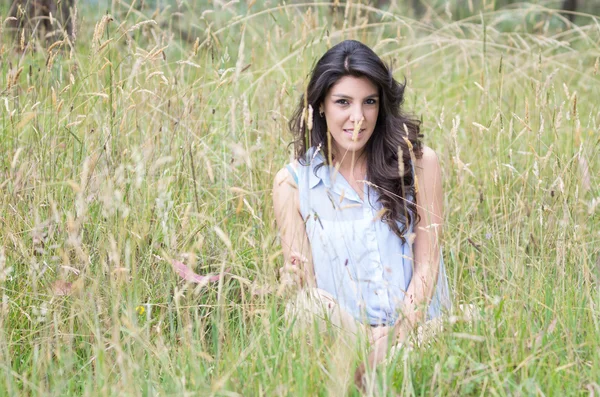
(360, 210)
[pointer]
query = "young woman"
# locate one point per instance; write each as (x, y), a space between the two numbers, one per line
(360, 210)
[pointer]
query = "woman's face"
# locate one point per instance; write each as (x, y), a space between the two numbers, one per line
(351, 102)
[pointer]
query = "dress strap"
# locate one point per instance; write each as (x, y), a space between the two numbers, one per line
(293, 172)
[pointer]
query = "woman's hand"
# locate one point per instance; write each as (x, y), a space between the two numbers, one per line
(292, 272)
(377, 333)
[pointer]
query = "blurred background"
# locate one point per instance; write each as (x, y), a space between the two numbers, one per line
(139, 136)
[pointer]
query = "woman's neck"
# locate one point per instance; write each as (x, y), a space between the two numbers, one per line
(351, 164)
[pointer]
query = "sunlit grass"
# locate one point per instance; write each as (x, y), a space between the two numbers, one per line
(156, 136)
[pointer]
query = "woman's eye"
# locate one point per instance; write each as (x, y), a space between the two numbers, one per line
(371, 101)
(342, 101)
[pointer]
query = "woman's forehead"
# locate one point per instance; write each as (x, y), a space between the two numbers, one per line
(351, 86)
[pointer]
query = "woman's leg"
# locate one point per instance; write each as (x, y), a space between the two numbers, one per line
(314, 306)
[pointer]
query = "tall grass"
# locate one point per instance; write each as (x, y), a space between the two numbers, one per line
(155, 134)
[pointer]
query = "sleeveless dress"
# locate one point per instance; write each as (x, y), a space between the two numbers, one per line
(356, 257)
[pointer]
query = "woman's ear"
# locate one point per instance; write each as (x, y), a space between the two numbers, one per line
(321, 110)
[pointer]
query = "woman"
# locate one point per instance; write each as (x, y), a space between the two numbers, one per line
(360, 210)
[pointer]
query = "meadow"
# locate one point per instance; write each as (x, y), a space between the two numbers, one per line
(154, 135)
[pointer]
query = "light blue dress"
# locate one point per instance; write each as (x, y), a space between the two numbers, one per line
(357, 258)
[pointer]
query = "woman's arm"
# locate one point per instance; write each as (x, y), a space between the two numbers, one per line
(426, 246)
(426, 254)
(294, 241)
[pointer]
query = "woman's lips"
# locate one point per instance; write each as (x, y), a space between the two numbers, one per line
(351, 131)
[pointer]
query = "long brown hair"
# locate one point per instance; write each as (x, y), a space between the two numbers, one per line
(393, 129)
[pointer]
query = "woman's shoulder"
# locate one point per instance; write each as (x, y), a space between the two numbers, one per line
(290, 172)
(287, 175)
(428, 153)
(429, 174)
(428, 159)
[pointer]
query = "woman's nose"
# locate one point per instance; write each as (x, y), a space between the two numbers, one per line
(357, 114)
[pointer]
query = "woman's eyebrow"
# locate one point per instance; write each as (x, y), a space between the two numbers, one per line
(349, 97)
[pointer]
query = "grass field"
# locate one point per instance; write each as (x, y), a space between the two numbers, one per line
(154, 135)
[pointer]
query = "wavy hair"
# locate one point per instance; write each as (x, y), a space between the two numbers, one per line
(395, 133)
